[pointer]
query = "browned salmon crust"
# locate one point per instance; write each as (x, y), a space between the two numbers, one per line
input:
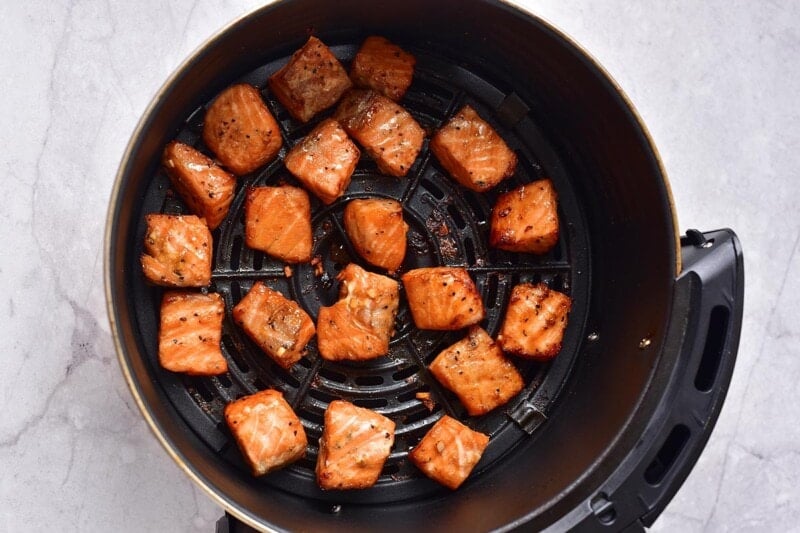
(384, 67)
(388, 133)
(449, 452)
(354, 446)
(324, 160)
(312, 80)
(376, 228)
(442, 298)
(278, 325)
(472, 152)
(177, 251)
(267, 431)
(240, 130)
(204, 186)
(526, 219)
(359, 325)
(535, 321)
(476, 370)
(190, 333)
(278, 222)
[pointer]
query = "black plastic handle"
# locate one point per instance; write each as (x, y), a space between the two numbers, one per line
(708, 304)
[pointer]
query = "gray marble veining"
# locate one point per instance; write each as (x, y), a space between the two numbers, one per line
(716, 82)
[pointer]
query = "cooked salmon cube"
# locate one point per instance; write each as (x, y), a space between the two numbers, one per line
(449, 451)
(476, 370)
(384, 67)
(203, 185)
(376, 228)
(324, 160)
(277, 324)
(177, 251)
(388, 133)
(361, 323)
(472, 152)
(354, 446)
(442, 298)
(312, 80)
(190, 333)
(267, 431)
(535, 322)
(526, 219)
(240, 130)
(277, 221)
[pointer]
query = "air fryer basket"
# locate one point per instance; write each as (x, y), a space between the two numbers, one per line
(557, 446)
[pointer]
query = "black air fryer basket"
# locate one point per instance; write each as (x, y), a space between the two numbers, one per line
(601, 437)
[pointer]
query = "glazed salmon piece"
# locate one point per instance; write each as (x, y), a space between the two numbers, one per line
(354, 446)
(324, 160)
(472, 152)
(240, 130)
(476, 370)
(449, 451)
(267, 431)
(277, 324)
(535, 321)
(442, 298)
(204, 186)
(359, 325)
(177, 251)
(388, 133)
(376, 228)
(190, 333)
(312, 80)
(384, 67)
(278, 222)
(526, 219)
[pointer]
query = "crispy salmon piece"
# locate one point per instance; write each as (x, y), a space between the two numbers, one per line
(442, 298)
(535, 322)
(472, 152)
(449, 451)
(377, 231)
(278, 325)
(360, 324)
(312, 80)
(354, 446)
(277, 221)
(240, 130)
(177, 251)
(205, 186)
(190, 332)
(526, 219)
(267, 431)
(324, 160)
(388, 133)
(384, 67)
(476, 370)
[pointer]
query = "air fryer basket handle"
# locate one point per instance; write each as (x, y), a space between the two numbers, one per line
(707, 318)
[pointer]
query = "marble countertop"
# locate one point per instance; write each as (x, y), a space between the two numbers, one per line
(716, 82)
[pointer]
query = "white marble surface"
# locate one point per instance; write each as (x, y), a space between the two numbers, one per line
(716, 81)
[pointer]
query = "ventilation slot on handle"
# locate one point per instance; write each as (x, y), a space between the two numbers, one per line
(712, 353)
(667, 455)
